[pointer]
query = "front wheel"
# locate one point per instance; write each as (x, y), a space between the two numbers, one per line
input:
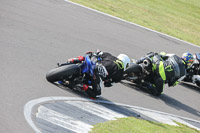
(63, 72)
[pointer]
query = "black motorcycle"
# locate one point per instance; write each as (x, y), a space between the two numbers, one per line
(139, 74)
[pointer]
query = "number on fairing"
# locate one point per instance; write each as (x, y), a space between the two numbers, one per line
(102, 71)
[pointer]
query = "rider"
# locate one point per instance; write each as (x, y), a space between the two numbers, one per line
(166, 69)
(108, 69)
(193, 70)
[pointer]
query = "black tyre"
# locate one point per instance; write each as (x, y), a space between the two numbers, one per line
(198, 83)
(63, 72)
(133, 68)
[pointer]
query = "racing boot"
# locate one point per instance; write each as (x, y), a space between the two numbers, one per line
(151, 88)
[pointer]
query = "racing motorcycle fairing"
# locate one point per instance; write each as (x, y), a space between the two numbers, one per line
(88, 66)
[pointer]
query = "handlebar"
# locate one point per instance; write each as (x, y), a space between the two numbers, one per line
(58, 64)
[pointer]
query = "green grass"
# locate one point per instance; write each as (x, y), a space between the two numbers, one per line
(178, 18)
(134, 125)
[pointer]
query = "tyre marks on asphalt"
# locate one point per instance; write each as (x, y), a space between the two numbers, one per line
(62, 114)
(97, 110)
(62, 120)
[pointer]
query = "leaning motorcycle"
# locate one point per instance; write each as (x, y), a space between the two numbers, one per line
(73, 75)
(193, 73)
(139, 74)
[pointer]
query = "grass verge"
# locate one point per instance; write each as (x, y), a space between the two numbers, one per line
(178, 18)
(134, 125)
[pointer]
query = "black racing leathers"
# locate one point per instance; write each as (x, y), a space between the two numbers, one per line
(175, 68)
(113, 66)
(165, 70)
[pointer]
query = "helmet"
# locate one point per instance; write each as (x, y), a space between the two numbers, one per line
(188, 58)
(125, 59)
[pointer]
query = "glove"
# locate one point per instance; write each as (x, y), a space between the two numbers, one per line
(76, 60)
(70, 60)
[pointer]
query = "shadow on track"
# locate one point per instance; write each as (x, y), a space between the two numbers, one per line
(191, 86)
(119, 109)
(138, 88)
(170, 101)
(71, 90)
(178, 105)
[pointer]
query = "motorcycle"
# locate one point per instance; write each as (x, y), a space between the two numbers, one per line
(74, 75)
(139, 74)
(193, 73)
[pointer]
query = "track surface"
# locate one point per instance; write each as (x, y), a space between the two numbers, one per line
(35, 35)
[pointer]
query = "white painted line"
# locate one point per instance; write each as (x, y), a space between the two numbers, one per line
(63, 120)
(165, 119)
(157, 117)
(101, 113)
(101, 110)
(29, 106)
(131, 23)
(153, 111)
(183, 122)
(109, 111)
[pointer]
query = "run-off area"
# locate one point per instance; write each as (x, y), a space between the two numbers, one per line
(47, 115)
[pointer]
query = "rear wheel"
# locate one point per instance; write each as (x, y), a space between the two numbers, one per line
(133, 68)
(198, 83)
(63, 72)
(133, 73)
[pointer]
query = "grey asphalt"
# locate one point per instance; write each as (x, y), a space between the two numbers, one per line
(36, 34)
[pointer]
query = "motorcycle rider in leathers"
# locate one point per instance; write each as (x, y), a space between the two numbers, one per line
(108, 69)
(193, 72)
(165, 69)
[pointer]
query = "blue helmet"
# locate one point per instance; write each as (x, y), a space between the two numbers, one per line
(188, 58)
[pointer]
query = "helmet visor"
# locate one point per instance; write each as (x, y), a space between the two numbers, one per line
(127, 65)
(190, 63)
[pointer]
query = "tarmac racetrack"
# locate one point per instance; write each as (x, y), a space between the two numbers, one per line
(36, 34)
